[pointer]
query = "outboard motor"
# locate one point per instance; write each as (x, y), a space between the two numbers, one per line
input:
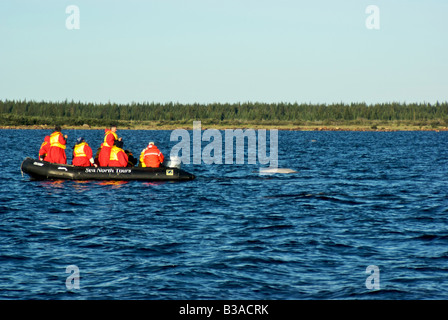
(174, 162)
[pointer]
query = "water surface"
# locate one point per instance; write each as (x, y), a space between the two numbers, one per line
(357, 199)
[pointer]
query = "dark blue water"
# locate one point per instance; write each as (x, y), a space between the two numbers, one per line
(358, 199)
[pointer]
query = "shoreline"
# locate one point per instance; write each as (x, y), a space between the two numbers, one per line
(283, 127)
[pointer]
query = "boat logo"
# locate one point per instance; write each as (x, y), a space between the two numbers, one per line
(38, 164)
(62, 168)
(169, 172)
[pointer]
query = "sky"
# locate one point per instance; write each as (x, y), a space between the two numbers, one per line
(226, 51)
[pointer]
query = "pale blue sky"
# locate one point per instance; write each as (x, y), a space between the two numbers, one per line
(224, 51)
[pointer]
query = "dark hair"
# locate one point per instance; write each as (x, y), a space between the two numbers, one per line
(57, 128)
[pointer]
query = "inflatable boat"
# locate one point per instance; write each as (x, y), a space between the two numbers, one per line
(42, 170)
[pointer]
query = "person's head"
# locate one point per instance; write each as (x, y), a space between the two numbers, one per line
(57, 128)
(150, 144)
(79, 140)
(113, 128)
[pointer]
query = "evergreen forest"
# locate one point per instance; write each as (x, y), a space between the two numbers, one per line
(71, 113)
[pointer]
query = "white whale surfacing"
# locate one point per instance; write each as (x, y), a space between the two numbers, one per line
(276, 170)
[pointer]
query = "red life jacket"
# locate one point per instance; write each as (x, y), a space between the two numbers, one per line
(44, 148)
(82, 154)
(55, 140)
(108, 140)
(56, 153)
(118, 158)
(152, 156)
(104, 155)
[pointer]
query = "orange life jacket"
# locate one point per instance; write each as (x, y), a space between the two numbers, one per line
(114, 160)
(152, 157)
(44, 147)
(54, 140)
(105, 143)
(78, 151)
(114, 153)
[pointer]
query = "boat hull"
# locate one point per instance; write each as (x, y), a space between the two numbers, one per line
(42, 170)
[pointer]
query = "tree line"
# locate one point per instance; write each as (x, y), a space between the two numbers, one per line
(13, 112)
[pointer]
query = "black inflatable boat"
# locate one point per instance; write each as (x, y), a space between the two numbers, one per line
(42, 170)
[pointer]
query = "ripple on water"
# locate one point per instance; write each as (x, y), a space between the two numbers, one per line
(357, 199)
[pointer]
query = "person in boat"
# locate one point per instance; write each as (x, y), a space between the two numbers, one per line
(82, 154)
(44, 148)
(132, 161)
(97, 155)
(56, 152)
(118, 157)
(151, 156)
(110, 136)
